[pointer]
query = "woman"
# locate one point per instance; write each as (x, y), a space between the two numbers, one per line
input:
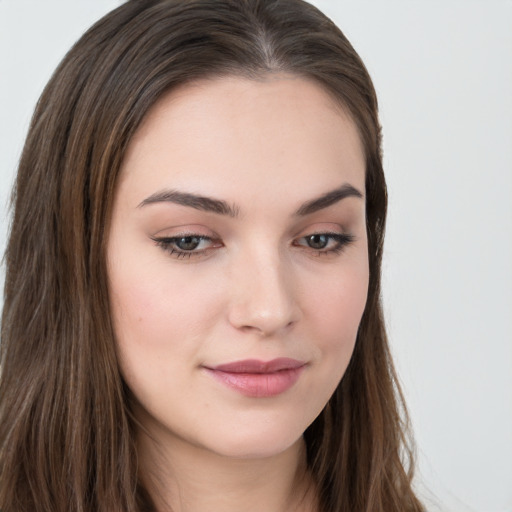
(192, 314)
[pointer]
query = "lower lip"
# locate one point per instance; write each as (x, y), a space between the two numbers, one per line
(258, 385)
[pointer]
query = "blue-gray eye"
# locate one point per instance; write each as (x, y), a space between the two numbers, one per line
(188, 243)
(318, 241)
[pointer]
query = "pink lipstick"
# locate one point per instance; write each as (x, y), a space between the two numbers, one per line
(259, 379)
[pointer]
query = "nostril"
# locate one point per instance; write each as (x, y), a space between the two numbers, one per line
(264, 318)
(264, 298)
(265, 331)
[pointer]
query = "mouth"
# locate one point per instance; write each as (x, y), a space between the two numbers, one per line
(259, 379)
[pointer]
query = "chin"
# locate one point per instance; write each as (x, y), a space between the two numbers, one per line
(262, 448)
(263, 442)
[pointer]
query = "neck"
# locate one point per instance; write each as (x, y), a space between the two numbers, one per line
(184, 478)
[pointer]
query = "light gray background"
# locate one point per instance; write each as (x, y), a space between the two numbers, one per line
(443, 73)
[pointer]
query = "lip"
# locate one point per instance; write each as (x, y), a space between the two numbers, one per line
(259, 379)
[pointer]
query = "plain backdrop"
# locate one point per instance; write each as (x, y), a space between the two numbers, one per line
(443, 74)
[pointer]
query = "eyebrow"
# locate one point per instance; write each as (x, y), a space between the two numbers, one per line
(328, 199)
(207, 204)
(220, 207)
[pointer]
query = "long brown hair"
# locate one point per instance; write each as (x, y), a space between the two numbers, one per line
(66, 431)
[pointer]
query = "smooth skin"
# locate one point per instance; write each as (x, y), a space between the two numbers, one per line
(262, 276)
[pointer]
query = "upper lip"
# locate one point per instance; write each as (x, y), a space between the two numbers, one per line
(257, 366)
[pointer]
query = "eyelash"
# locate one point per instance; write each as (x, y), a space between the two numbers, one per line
(342, 241)
(168, 244)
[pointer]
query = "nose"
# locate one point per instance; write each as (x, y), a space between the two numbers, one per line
(264, 298)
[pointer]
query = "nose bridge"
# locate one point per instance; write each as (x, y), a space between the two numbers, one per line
(263, 293)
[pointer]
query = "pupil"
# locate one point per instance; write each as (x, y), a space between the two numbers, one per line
(188, 243)
(318, 241)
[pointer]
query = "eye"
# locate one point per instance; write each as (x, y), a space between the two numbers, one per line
(325, 243)
(317, 241)
(187, 245)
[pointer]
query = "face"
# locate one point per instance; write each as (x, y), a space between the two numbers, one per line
(237, 259)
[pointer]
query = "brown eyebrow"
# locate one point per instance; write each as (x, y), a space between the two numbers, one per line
(207, 204)
(328, 199)
(220, 207)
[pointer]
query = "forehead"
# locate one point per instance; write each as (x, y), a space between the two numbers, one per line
(218, 133)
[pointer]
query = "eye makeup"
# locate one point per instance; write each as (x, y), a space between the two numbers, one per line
(193, 245)
(323, 244)
(187, 245)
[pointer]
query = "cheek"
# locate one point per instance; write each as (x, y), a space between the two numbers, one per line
(337, 307)
(157, 330)
(155, 306)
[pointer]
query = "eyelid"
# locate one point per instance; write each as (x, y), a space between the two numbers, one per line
(184, 230)
(335, 241)
(342, 241)
(340, 237)
(168, 243)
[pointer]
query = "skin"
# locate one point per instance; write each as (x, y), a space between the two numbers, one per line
(253, 289)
